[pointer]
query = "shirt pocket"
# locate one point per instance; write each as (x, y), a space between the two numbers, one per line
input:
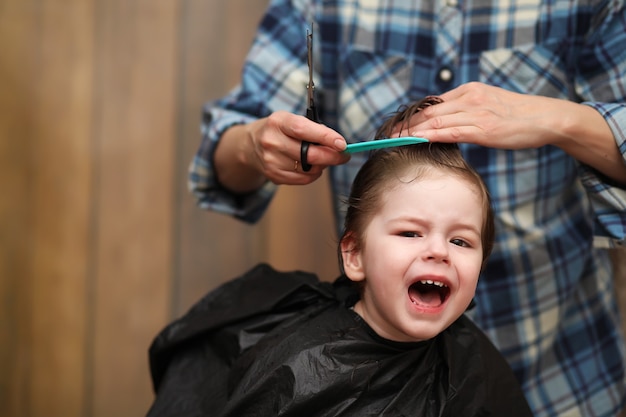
(529, 69)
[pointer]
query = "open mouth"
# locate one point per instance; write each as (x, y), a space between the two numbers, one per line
(429, 293)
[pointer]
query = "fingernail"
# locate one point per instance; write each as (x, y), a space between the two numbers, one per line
(340, 144)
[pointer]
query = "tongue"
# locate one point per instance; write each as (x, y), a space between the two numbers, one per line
(424, 296)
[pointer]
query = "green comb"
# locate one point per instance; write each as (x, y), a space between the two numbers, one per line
(383, 143)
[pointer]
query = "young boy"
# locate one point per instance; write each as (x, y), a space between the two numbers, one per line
(388, 338)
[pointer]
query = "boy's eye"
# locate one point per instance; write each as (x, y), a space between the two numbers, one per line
(409, 234)
(460, 242)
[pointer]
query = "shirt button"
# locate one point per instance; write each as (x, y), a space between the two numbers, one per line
(445, 75)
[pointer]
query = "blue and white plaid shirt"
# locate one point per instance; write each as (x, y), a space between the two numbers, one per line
(546, 298)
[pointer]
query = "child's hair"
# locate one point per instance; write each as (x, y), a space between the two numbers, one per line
(385, 168)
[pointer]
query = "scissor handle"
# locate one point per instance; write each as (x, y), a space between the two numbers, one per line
(311, 114)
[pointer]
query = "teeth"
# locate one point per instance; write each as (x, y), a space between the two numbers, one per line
(430, 282)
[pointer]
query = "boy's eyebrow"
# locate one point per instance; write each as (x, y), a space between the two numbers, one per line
(419, 221)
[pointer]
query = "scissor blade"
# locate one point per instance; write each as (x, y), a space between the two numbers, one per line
(310, 86)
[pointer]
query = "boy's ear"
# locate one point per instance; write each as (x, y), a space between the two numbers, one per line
(352, 258)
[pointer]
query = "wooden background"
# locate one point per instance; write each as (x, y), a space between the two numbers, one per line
(100, 243)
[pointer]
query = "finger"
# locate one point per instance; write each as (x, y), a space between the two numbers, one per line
(453, 94)
(431, 117)
(464, 90)
(454, 107)
(291, 173)
(454, 119)
(420, 126)
(325, 156)
(303, 129)
(316, 155)
(463, 134)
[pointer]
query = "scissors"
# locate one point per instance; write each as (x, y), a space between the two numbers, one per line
(311, 110)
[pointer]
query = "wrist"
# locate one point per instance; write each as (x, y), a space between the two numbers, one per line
(587, 137)
(234, 161)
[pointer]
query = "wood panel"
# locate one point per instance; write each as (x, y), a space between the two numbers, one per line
(87, 155)
(54, 210)
(61, 207)
(16, 133)
(136, 44)
(210, 247)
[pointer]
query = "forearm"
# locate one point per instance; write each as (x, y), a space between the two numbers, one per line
(584, 134)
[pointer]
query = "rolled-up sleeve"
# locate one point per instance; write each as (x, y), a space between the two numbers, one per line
(601, 81)
(608, 199)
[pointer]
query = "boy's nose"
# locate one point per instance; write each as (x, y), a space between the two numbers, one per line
(437, 250)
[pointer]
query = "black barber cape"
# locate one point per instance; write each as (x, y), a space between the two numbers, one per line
(275, 343)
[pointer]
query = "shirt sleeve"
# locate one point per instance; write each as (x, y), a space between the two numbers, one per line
(274, 77)
(608, 199)
(601, 82)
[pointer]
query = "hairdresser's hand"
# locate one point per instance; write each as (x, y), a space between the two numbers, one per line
(497, 118)
(269, 149)
(490, 116)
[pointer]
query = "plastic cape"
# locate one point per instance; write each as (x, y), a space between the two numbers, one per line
(275, 343)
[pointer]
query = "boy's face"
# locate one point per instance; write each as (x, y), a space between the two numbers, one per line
(420, 257)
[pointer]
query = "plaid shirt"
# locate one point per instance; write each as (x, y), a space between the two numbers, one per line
(546, 298)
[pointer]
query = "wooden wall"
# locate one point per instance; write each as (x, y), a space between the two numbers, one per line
(100, 243)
